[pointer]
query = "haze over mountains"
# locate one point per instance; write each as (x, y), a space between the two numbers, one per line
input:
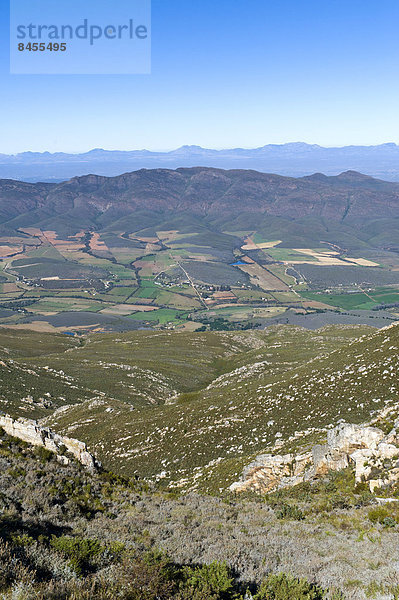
(293, 159)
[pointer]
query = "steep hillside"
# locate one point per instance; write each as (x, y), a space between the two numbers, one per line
(36, 390)
(230, 397)
(193, 408)
(203, 439)
(153, 368)
(142, 369)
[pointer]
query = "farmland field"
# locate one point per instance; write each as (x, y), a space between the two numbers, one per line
(171, 275)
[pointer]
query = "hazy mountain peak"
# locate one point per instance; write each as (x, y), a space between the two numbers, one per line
(354, 176)
(294, 159)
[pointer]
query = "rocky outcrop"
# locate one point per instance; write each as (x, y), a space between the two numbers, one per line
(267, 472)
(374, 456)
(31, 432)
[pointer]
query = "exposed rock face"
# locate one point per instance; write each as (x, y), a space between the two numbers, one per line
(267, 472)
(342, 442)
(31, 432)
(374, 455)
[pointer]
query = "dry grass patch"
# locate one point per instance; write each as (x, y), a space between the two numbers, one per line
(96, 243)
(127, 309)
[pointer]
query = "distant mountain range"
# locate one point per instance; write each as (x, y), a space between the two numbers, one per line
(295, 159)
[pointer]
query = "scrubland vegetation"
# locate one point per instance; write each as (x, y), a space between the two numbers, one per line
(177, 416)
(68, 535)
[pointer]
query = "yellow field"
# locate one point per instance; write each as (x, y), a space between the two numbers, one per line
(148, 240)
(251, 245)
(10, 287)
(324, 258)
(8, 250)
(168, 236)
(40, 326)
(224, 296)
(264, 245)
(363, 262)
(96, 243)
(127, 309)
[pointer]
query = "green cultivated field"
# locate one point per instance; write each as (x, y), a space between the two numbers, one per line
(163, 316)
(356, 300)
(353, 301)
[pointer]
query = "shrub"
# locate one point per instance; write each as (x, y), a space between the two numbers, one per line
(285, 587)
(43, 454)
(80, 551)
(389, 522)
(384, 515)
(22, 540)
(213, 581)
(152, 577)
(288, 511)
(340, 501)
(17, 472)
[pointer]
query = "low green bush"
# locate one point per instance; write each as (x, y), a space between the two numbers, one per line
(387, 515)
(288, 511)
(43, 454)
(212, 581)
(80, 551)
(285, 587)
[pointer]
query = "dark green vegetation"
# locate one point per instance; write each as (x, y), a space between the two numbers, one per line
(66, 534)
(221, 324)
(326, 276)
(155, 249)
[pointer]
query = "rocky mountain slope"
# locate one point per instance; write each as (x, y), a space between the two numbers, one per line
(176, 414)
(192, 410)
(203, 440)
(31, 432)
(101, 202)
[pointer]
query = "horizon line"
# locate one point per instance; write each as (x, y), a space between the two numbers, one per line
(192, 146)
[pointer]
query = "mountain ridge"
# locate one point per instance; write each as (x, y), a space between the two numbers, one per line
(201, 191)
(290, 159)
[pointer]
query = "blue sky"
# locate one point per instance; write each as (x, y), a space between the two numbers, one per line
(224, 74)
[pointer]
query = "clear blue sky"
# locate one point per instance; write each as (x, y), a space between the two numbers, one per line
(224, 74)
